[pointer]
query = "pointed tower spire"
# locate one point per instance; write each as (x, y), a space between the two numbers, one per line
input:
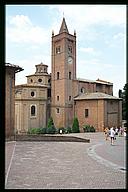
(63, 27)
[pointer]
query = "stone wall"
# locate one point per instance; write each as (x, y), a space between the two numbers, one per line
(50, 138)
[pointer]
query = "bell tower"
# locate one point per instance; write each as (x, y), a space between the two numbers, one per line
(63, 73)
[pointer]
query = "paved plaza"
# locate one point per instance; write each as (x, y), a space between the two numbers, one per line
(66, 165)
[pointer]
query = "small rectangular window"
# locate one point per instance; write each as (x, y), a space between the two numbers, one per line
(69, 49)
(69, 98)
(49, 92)
(57, 98)
(58, 75)
(57, 110)
(86, 112)
(70, 75)
(58, 49)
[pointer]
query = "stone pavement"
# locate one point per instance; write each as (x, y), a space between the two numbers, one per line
(66, 165)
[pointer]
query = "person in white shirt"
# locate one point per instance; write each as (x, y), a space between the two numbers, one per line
(116, 131)
(112, 135)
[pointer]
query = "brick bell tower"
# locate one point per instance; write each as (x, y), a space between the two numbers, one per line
(63, 74)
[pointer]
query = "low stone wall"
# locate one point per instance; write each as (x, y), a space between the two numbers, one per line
(60, 138)
(11, 138)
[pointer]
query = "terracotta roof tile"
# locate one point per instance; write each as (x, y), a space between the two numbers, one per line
(95, 95)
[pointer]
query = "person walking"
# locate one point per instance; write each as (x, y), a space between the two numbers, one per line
(116, 131)
(124, 132)
(106, 132)
(112, 135)
(121, 131)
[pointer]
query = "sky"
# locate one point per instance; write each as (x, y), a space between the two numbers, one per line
(100, 39)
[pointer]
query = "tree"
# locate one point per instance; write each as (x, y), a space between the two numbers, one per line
(75, 126)
(51, 128)
(123, 95)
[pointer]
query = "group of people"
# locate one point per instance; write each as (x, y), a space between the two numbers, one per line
(113, 132)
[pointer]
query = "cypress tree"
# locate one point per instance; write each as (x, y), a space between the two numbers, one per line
(75, 126)
(51, 128)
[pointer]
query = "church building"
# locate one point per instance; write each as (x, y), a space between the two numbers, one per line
(63, 96)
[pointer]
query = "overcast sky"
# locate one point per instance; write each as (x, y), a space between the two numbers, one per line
(100, 31)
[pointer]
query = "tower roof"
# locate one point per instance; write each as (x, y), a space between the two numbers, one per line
(63, 27)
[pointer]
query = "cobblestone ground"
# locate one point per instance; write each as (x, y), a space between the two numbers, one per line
(64, 165)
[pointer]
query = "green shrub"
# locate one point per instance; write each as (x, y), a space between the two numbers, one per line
(40, 130)
(88, 128)
(92, 129)
(68, 130)
(51, 128)
(75, 126)
(44, 130)
(34, 130)
(57, 131)
(37, 130)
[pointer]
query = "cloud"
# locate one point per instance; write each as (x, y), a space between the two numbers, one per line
(94, 63)
(92, 14)
(95, 68)
(21, 30)
(20, 21)
(117, 40)
(89, 50)
(28, 64)
(86, 18)
(119, 36)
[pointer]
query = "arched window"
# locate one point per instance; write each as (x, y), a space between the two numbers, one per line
(33, 110)
(58, 49)
(82, 90)
(69, 75)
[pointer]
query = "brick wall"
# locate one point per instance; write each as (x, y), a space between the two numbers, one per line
(102, 113)
(9, 102)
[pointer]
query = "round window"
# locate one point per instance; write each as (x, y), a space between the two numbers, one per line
(39, 80)
(32, 93)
